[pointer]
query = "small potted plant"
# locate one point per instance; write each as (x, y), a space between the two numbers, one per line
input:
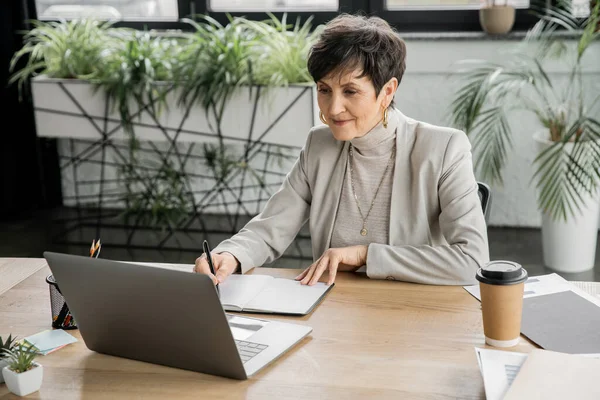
(9, 344)
(497, 17)
(23, 375)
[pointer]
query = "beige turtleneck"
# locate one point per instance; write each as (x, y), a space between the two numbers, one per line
(371, 155)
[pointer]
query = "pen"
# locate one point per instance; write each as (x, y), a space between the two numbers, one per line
(210, 261)
(95, 249)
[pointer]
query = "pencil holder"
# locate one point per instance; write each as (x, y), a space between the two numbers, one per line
(61, 316)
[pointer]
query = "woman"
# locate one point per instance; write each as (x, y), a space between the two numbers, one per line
(380, 189)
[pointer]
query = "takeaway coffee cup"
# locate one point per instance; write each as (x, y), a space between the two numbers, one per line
(502, 284)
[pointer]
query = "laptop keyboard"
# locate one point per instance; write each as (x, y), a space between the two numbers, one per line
(248, 350)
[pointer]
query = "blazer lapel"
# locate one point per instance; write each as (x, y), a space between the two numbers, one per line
(327, 209)
(399, 225)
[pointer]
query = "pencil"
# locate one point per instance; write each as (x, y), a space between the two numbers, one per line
(95, 248)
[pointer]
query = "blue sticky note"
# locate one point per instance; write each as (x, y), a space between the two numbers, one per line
(49, 340)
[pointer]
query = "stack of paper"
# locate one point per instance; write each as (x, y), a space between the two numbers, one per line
(549, 375)
(49, 341)
(529, 373)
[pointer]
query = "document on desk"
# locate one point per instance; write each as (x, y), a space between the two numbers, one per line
(266, 294)
(498, 369)
(540, 285)
(557, 315)
(551, 375)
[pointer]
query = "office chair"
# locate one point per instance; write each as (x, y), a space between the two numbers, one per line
(485, 195)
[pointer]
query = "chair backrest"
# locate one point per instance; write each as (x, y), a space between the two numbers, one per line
(485, 195)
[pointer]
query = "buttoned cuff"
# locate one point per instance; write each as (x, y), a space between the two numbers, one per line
(377, 268)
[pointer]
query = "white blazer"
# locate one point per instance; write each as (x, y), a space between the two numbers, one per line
(437, 231)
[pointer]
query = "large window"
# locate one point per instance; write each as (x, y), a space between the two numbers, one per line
(273, 5)
(404, 15)
(445, 4)
(148, 10)
(443, 15)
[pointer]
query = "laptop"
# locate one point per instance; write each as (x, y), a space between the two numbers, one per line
(166, 317)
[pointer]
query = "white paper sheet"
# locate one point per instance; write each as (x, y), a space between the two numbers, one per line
(499, 368)
(550, 375)
(541, 285)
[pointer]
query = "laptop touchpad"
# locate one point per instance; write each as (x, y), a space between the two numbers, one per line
(242, 328)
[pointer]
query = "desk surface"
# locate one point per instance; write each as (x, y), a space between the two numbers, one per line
(370, 339)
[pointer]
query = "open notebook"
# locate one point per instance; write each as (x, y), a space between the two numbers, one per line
(262, 293)
(266, 294)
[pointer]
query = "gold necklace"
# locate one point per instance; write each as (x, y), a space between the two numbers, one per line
(364, 229)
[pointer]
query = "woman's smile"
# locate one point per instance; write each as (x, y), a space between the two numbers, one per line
(341, 122)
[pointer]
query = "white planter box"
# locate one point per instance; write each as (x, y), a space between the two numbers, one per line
(24, 383)
(278, 122)
(67, 108)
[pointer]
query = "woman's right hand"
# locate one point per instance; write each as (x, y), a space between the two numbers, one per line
(225, 264)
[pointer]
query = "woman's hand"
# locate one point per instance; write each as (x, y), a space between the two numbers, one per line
(333, 260)
(225, 264)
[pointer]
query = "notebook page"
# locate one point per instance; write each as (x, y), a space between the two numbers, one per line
(237, 290)
(287, 296)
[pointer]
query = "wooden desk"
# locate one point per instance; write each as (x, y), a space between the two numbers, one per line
(15, 270)
(371, 339)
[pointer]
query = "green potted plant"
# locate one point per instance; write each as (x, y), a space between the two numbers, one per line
(62, 50)
(568, 142)
(5, 345)
(223, 94)
(226, 68)
(23, 375)
(497, 17)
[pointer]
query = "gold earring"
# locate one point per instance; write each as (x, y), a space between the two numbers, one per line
(385, 117)
(322, 117)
